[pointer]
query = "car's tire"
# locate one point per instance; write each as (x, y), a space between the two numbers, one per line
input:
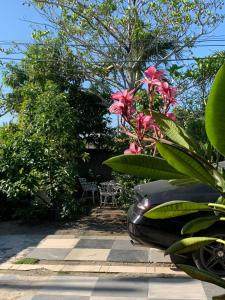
(212, 257)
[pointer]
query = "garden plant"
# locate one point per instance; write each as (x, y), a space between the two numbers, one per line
(156, 134)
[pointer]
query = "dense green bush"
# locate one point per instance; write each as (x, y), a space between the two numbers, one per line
(39, 153)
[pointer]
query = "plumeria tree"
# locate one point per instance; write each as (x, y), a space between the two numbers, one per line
(142, 126)
(182, 164)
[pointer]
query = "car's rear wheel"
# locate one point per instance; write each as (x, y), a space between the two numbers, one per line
(211, 257)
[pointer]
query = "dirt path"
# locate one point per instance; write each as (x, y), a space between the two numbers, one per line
(99, 222)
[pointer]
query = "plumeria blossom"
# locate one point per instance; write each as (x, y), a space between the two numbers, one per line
(153, 73)
(117, 108)
(124, 97)
(153, 77)
(142, 126)
(144, 121)
(167, 92)
(133, 149)
(123, 105)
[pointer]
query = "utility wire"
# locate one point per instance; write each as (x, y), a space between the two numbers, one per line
(14, 43)
(116, 61)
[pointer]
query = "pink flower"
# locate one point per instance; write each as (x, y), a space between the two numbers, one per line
(133, 149)
(153, 73)
(117, 108)
(171, 116)
(167, 92)
(124, 104)
(125, 97)
(143, 121)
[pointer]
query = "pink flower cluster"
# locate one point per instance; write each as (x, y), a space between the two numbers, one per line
(138, 122)
(155, 78)
(123, 104)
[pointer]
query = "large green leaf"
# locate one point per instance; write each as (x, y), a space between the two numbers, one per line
(215, 112)
(202, 275)
(217, 206)
(183, 181)
(200, 224)
(186, 162)
(173, 131)
(175, 208)
(144, 166)
(189, 244)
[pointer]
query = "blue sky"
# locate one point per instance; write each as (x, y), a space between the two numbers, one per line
(14, 27)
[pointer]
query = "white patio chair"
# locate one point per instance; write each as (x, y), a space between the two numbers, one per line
(108, 192)
(88, 188)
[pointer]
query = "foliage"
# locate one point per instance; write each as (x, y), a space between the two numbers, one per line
(53, 61)
(27, 260)
(116, 40)
(188, 162)
(126, 197)
(39, 153)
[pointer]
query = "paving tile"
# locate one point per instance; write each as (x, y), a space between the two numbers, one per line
(212, 290)
(58, 243)
(123, 237)
(59, 236)
(150, 270)
(127, 269)
(54, 268)
(117, 298)
(175, 289)
(68, 285)
(126, 245)
(19, 241)
(128, 256)
(88, 254)
(81, 268)
(49, 254)
(170, 271)
(5, 266)
(157, 255)
(94, 244)
(99, 237)
(104, 269)
(121, 287)
(27, 267)
(58, 297)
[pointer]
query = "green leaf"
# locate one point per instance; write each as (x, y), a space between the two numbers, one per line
(175, 208)
(217, 205)
(202, 275)
(189, 244)
(183, 182)
(199, 224)
(215, 112)
(185, 162)
(173, 131)
(143, 166)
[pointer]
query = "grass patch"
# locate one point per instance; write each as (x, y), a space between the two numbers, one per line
(27, 260)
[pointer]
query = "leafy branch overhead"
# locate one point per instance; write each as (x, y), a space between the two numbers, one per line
(116, 40)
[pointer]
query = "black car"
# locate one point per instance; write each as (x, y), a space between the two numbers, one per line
(164, 232)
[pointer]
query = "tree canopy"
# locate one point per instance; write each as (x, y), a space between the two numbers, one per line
(116, 40)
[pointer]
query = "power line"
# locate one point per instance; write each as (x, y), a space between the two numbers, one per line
(117, 61)
(14, 43)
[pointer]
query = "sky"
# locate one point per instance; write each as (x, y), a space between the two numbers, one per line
(15, 26)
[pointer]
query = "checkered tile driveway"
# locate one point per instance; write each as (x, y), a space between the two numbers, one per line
(103, 288)
(94, 249)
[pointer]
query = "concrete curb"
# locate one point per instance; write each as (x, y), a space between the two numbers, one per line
(119, 269)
